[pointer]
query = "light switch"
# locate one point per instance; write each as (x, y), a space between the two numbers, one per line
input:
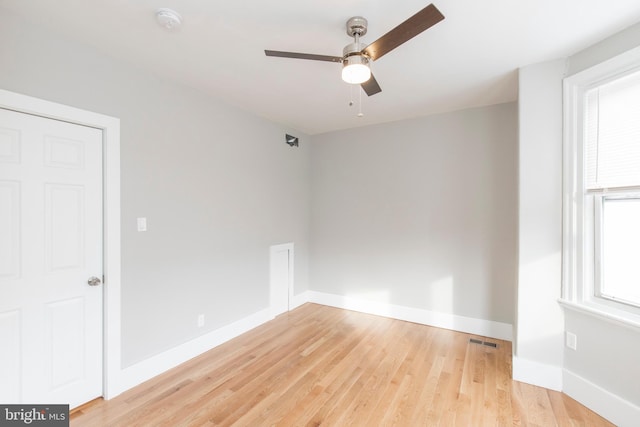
(142, 224)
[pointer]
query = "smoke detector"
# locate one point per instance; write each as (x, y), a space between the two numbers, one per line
(170, 19)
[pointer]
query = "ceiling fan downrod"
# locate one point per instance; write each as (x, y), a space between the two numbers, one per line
(356, 28)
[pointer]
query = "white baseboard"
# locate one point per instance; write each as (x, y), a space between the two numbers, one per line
(485, 328)
(149, 368)
(298, 300)
(540, 374)
(608, 405)
(615, 409)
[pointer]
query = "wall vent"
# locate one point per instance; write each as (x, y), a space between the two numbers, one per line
(291, 140)
(485, 343)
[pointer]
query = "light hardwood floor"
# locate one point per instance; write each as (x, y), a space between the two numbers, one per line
(319, 365)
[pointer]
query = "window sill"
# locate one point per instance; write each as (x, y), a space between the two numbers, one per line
(629, 321)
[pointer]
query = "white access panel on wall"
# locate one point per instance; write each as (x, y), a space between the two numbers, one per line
(281, 278)
(50, 260)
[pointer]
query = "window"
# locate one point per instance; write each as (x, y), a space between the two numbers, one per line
(601, 259)
(618, 277)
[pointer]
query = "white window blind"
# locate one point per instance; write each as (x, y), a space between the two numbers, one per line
(612, 134)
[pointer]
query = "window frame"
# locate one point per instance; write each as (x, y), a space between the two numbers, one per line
(582, 209)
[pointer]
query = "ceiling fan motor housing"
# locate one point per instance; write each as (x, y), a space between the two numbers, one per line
(357, 26)
(353, 49)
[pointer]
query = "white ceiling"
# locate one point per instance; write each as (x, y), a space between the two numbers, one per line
(469, 59)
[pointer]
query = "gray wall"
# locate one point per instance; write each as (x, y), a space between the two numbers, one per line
(218, 186)
(606, 355)
(616, 44)
(420, 213)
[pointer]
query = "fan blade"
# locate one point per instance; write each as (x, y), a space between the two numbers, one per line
(303, 56)
(427, 17)
(371, 86)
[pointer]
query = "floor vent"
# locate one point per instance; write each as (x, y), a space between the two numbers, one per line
(480, 342)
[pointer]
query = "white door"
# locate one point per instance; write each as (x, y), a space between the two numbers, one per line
(50, 245)
(281, 277)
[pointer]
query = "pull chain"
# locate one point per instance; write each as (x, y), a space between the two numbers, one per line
(350, 95)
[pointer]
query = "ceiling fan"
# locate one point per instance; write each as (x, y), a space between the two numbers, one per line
(355, 57)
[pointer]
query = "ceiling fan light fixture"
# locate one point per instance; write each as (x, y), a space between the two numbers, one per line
(355, 69)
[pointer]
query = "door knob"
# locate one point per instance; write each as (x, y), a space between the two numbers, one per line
(94, 281)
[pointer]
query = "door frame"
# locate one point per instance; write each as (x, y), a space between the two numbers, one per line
(110, 126)
(290, 284)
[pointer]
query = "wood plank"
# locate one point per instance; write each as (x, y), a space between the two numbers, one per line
(319, 365)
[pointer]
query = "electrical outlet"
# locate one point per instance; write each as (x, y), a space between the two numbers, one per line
(142, 224)
(200, 320)
(571, 340)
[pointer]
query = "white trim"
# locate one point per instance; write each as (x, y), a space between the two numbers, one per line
(626, 320)
(573, 199)
(110, 127)
(602, 72)
(156, 365)
(486, 328)
(610, 406)
(290, 248)
(292, 277)
(540, 374)
(298, 300)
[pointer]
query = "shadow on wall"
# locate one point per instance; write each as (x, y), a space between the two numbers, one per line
(439, 293)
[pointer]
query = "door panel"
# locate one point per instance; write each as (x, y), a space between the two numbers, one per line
(51, 243)
(9, 145)
(281, 277)
(10, 356)
(64, 230)
(64, 335)
(9, 229)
